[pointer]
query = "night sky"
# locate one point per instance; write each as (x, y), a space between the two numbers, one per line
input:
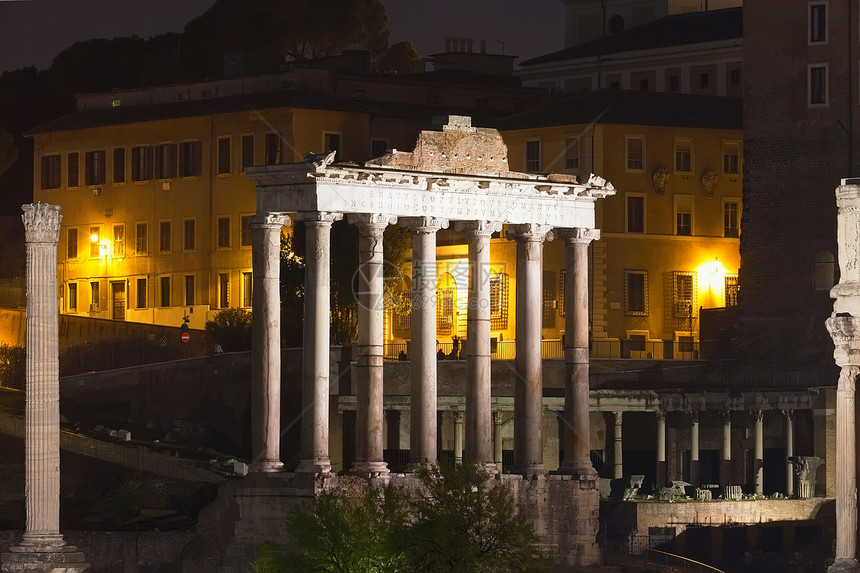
(32, 32)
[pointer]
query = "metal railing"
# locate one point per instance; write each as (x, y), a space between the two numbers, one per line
(671, 563)
(636, 549)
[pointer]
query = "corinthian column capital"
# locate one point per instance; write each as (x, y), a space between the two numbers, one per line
(41, 222)
(578, 235)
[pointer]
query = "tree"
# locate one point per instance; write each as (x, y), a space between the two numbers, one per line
(399, 58)
(231, 328)
(8, 150)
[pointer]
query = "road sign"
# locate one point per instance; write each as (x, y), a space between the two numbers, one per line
(184, 337)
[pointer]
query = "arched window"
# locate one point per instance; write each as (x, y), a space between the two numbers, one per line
(824, 271)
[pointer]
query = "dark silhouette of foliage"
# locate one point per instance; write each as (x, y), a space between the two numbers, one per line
(231, 328)
(12, 360)
(399, 58)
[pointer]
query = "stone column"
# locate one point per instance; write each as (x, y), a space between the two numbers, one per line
(661, 449)
(577, 437)
(369, 418)
(789, 452)
(528, 385)
(695, 477)
(617, 449)
(758, 417)
(266, 346)
(726, 453)
(422, 437)
(42, 547)
(497, 440)
(316, 349)
(478, 386)
(458, 436)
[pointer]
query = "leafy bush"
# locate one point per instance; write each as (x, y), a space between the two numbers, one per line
(231, 328)
(125, 500)
(12, 360)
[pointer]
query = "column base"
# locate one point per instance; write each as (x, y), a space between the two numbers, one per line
(369, 469)
(314, 466)
(844, 566)
(266, 467)
(531, 471)
(581, 472)
(48, 557)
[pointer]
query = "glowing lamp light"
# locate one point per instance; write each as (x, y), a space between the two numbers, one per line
(714, 272)
(94, 238)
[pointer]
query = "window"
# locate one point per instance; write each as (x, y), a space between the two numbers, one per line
(635, 152)
(684, 295)
(51, 171)
(141, 163)
(643, 85)
(273, 148)
(188, 234)
(683, 155)
(246, 238)
(165, 291)
(735, 77)
(71, 243)
(72, 174)
(164, 236)
(731, 290)
(731, 157)
(731, 219)
(549, 300)
(571, 150)
(635, 213)
(498, 301)
(119, 240)
(141, 293)
(683, 215)
(674, 83)
(636, 293)
(223, 232)
(165, 160)
(444, 311)
(141, 244)
(72, 302)
(825, 271)
(561, 278)
(95, 237)
(403, 311)
(817, 22)
(189, 158)
(704, 80)
(223, 290)
(189, 290)
(119, 165)
(638, 342)
(247, 151)
(818, 84)
(247, 289)
(378, 147)
(533, 156)
(94, 296)
(223, 155)
(94, 167)
(331, 142)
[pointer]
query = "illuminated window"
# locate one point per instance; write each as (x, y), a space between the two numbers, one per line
(95, 237)
(71, 243)
(72, 301)
(635, 213)
(223, 232)
(444, 311)
(189, 158)
(731, 290)
(498, 301)
(684, 296)
(635, 149)
(817, 22)
(141, 293)
(141, 163)
(189, 290)
(273, 148)
(403, 311)
(165, 291)
(636, 293)
(549, 300)
(119, 240)
(731, 219)
(189, 235)
(818, 95)
(165, 160)
(731, 157)
(533, 155)
(683, 155)
(141, 243)
(223, 290)
(223, 155)
(51, 171)
(247, 289)
(246, 237)
(119, 165)
(72, 174)
(683, 215)
(164, 236)
(247, 151)
(94, 296)
(571, 150)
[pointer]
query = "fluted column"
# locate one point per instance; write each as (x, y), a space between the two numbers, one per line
(369, 417)
(42, 542)
(577, 448)
(497, 440)
(789, 452)
(695, 477)
(479, 430)
(266, 342)
(661, 448)
(726, 450)
(758, 417)
(458, 436)
(316, 348)
(618, 449)
(422, 437)
(528, 385)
